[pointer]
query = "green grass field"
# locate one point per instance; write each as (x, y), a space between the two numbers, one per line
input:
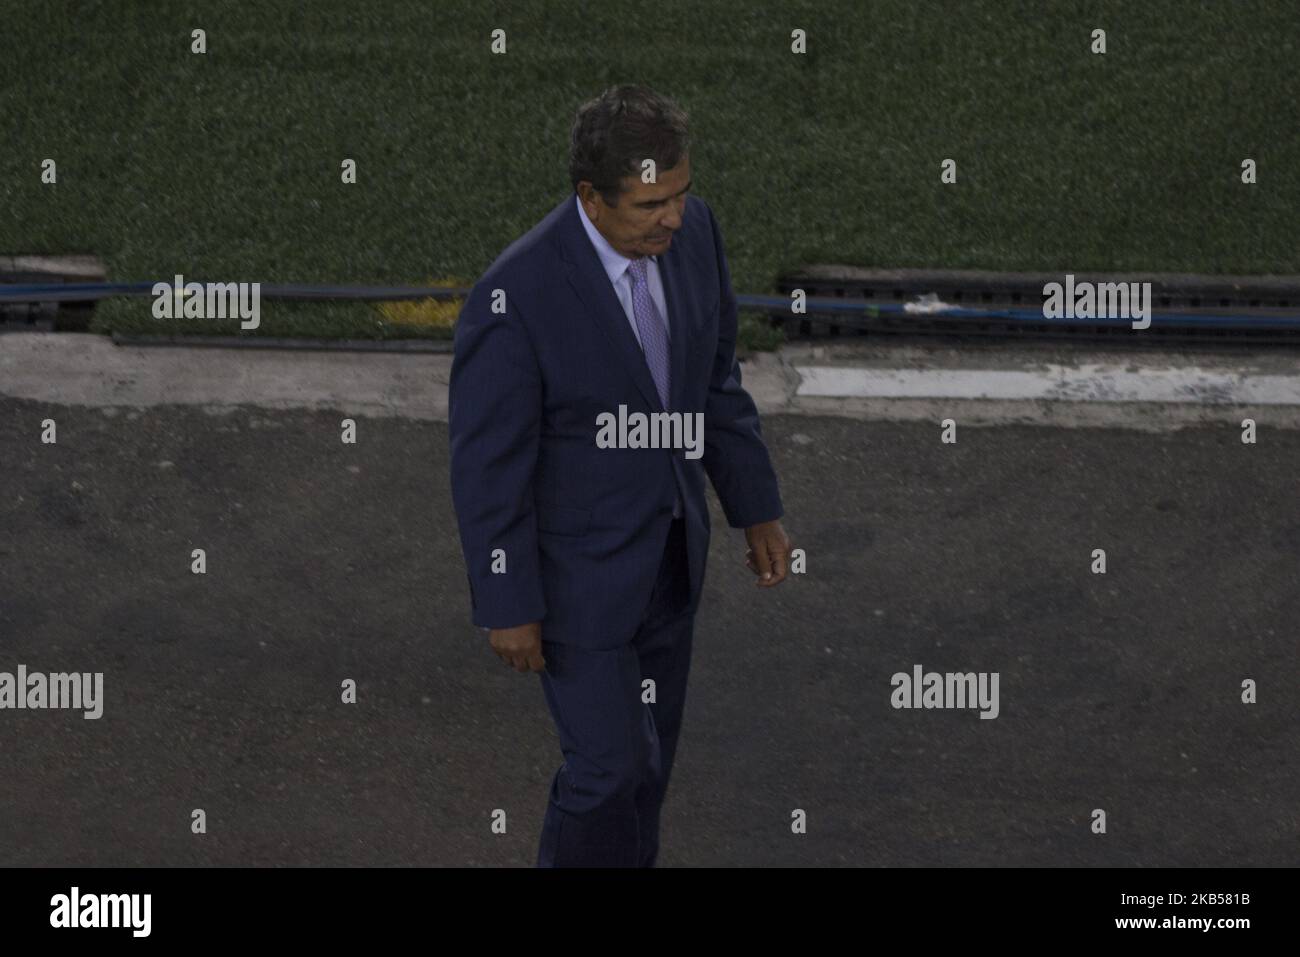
(226, 165)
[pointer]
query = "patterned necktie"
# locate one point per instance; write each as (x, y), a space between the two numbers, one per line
(654, 343)
(654, 337)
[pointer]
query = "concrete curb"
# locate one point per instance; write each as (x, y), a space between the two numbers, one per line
(296, 344)
(1031, 385)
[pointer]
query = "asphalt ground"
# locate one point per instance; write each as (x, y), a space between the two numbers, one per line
(329, 562)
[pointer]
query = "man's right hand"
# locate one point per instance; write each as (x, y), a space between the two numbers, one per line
(520, 647)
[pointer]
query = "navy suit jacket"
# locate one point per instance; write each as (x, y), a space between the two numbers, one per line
(582, 529)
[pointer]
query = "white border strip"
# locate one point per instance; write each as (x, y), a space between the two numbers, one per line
(1082, 383)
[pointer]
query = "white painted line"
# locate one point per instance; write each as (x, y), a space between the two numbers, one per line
(1083, 383)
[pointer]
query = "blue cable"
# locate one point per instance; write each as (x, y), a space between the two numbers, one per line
(816, 305)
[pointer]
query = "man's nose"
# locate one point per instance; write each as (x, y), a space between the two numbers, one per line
(673, 220)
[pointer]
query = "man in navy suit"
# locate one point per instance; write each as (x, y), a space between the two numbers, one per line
(586, 556)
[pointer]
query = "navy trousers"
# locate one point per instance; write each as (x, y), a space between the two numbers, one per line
(618, 749)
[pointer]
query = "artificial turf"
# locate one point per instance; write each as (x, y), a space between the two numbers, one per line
(226, 165)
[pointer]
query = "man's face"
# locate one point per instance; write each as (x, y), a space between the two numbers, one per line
(647, 214)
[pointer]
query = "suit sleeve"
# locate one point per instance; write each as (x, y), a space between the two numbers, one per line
(735, 456)
(495, 414)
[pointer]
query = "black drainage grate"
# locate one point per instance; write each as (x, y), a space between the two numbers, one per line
(41, 269)
(1185, 308)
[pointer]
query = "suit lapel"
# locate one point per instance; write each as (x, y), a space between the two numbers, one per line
(670, 273)
(589, 279)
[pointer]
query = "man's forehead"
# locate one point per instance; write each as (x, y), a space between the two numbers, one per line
(670, 183)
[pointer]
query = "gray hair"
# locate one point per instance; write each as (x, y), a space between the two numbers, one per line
(613, 133)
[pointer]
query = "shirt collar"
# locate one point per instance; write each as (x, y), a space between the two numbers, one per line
(615, 262)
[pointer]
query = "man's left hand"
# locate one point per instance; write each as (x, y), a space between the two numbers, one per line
(769, 552)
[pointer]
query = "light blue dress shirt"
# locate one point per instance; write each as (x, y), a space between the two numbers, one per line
(616, 264)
